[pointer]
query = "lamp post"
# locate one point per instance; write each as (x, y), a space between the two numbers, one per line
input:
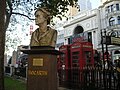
(106, 53)
(102, 45)
(110, 39)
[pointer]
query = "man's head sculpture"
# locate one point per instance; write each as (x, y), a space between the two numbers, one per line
(45, 12)
(44, 35)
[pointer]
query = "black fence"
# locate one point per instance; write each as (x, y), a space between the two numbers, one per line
(90, 78)
(7, 69)
(20, 71)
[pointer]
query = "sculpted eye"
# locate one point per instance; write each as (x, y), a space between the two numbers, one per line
(36, 15)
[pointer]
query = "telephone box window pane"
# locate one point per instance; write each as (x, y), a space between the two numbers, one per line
(63, 58)
(75, 53)
(75, 59)
(75, 65)
(88, 57)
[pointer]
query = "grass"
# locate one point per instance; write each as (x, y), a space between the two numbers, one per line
(13, 84)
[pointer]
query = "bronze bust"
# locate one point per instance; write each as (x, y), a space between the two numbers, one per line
(44, 35)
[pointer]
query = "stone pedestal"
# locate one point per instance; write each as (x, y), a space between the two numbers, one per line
(42, 68)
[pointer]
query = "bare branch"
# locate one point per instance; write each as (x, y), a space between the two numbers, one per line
(23, 15)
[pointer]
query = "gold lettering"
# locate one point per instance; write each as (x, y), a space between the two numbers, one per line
(75, 46)
(87, 46)
(39, 73)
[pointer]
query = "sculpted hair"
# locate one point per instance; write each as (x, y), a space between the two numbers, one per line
(46, 13)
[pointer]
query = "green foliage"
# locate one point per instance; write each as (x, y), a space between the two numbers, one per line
(22, 11)
(57, 7)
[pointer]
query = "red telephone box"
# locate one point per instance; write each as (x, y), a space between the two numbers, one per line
(75, 57)
(65, 57)
(64, 67)
(81, 54)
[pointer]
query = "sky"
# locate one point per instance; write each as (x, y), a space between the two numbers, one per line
(95, 3)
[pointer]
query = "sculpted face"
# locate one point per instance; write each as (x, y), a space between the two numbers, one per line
(39, 17)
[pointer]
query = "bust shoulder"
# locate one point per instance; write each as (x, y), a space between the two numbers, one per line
(52, 29)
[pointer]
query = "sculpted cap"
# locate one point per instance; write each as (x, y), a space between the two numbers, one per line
(44, 10)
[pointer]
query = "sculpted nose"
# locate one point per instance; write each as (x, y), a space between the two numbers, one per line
(35, 18)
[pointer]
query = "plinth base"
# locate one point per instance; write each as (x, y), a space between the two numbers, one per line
(42, 68)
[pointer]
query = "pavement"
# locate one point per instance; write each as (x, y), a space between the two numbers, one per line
(62, 88)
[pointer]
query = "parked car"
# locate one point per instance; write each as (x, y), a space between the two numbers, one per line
(22, 60)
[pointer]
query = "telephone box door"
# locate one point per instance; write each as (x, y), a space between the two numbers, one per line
(64, 69)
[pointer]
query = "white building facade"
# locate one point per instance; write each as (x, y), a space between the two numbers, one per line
(105, 18)
(110, 22)
(87, 21)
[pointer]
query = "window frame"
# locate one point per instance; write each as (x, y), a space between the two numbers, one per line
(118, 19)
(111, 21)
(117, 7)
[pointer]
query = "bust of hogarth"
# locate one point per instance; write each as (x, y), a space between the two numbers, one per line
(44, 35)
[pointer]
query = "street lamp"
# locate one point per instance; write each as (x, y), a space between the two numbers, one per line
(111, 38)
(102, 45)
(113, 33)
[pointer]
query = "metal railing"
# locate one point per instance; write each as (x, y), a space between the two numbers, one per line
(90, 78)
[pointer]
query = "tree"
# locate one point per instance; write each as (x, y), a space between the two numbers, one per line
(57, 8)
(24, 8)
(18, 9)
(16, 34)
(2, 42)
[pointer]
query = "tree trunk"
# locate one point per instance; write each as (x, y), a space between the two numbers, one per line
(2, 41)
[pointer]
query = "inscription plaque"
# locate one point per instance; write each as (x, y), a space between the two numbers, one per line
(37, 61)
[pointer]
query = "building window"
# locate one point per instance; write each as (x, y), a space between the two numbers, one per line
(69, 42)
(112, 21)
(117, 7)
(108, 9)
(112, 8)
(89, 36)
(118, 18)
